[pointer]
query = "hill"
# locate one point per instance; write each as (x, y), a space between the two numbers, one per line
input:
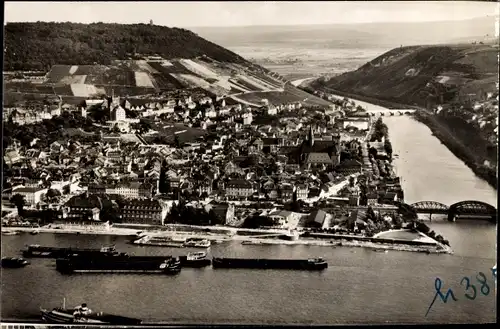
(38, 46)
(423, 75)
(85, 60)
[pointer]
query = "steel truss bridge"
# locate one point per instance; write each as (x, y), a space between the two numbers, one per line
(462, 209)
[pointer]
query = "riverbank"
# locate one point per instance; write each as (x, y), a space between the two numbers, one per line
(380, 102)
(332, 240)
(457, 147)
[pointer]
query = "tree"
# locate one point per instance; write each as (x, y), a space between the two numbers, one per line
(19, 201)
(52, 193)
(213, 219)
(373, 152)
(66, 189)
(145, 125)
(370, 213)
(423, 228)
(177, 141)
(388, 148)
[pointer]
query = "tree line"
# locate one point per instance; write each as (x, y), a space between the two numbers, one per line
(38, 46)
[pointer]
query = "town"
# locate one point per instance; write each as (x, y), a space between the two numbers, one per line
(201, 160)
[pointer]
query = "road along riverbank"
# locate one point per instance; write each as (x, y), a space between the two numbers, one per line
(232, 234)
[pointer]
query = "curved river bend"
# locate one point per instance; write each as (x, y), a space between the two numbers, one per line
(360, 286)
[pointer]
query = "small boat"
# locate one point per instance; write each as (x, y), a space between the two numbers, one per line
(34, 232)
(13, 262)
(63, 315)
(197, 243)
(10, 233)
(252, 242)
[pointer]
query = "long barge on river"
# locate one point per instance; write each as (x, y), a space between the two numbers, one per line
(312, 264)
(192, 259)
(118, 265)
(38, 251)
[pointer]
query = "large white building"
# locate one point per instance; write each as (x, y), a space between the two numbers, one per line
(32, 195)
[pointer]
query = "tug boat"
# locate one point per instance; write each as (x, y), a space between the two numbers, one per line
(197, 243)
(195, 259)
(13, 262)
(76, 316)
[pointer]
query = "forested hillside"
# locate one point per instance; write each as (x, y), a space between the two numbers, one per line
(38, 46)
(423, 75)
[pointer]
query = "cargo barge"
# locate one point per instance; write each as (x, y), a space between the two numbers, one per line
(130, 265)
(313, 264)
(193, 259)
(38, 251)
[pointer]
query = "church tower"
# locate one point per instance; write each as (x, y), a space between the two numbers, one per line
(311, 136)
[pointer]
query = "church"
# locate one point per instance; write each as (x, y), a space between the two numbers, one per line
(317, 154)
(117, 112)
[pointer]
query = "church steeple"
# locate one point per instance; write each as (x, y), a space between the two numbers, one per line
(311, 136)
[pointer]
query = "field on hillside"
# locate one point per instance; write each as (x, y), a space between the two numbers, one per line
(289, 95)
(138, 77)
(28, 87)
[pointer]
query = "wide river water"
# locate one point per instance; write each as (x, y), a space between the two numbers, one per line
(360, 286)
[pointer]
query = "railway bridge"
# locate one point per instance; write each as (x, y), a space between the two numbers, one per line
(471, 209)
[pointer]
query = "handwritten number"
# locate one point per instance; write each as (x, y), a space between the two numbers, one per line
(467, 288)
(485, 289)
(437, 285)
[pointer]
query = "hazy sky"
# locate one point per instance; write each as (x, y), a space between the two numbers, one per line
(189, 14)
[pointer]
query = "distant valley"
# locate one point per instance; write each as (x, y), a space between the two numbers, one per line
(302, 51)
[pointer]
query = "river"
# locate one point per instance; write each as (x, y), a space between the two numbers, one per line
(360, 286)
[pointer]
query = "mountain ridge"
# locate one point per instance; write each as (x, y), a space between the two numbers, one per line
(87, 60)
(423, 75)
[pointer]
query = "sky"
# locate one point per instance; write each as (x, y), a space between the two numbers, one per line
(205, 13)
